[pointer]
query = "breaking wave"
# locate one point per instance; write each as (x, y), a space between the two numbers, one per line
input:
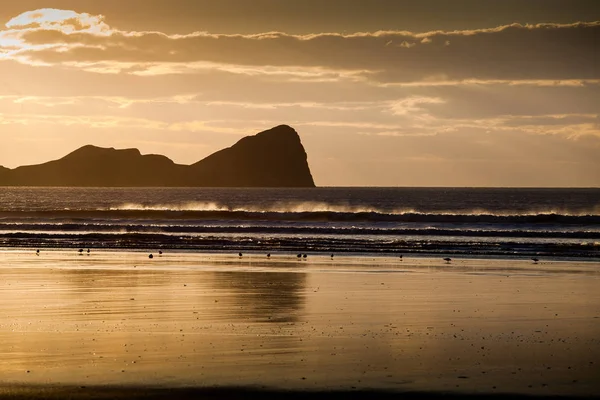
(154, 212)
(324, 207)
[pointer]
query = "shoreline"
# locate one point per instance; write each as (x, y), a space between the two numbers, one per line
(287, 255)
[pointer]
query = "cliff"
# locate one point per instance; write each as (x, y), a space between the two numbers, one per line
(273, 158)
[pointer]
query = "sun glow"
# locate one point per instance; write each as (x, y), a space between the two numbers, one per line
(66, 21)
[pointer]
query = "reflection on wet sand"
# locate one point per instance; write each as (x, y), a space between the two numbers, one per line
(251, 296)
(186, 320)
(264, 296)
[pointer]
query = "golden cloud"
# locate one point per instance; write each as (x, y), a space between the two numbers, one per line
(510, 52)
(66, 21)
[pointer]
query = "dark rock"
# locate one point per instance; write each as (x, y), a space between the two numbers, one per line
(273, 158)
(4, 173)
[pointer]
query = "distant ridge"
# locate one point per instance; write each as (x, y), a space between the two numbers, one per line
(273, 158)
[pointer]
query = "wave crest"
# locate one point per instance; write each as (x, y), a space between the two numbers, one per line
(324, 207)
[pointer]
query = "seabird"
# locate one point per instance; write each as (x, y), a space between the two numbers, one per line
(304, 255)
(160, 252)
(332, 256)
(299, 256)
(150, 256)
(447, 259)
(535, 260)
(240, 254)
(268, 255)
(37, 252)
(401, 256)
(88, 251)
(80, 251)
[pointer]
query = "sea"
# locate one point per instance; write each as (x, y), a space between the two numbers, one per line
(374, 221)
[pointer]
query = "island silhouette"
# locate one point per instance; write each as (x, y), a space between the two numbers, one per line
(272, 158)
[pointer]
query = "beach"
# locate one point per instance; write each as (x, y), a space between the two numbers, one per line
(199, 321)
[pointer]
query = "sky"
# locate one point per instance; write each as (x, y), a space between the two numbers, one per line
(382, 92)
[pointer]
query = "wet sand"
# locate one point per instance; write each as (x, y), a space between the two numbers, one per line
(117, 324)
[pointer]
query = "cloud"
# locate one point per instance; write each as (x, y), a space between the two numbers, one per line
(567, 111)
(477, 101)
(66, 21)
(413, 104)
(93, 122)
(510, 52)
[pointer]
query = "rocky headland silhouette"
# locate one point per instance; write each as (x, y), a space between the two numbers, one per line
(272, 158)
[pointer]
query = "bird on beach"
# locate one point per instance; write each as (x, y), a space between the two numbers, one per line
(304, 256)
(535, 260)
(160, 252)
(37, 252)
(400, 257)
(240, 254)
(268, 255)
(150, 256)
(299, 256)
(447, 259)
(332, 256)
(80, 251)
(88, 251)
